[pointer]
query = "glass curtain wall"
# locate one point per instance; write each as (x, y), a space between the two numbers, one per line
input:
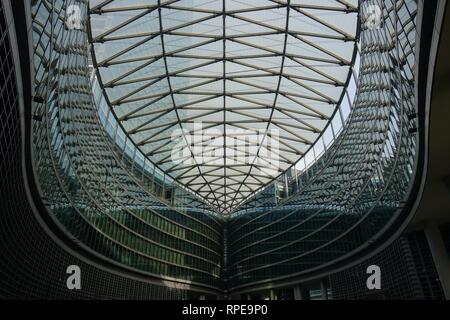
(86, 180)
(358, 186)
(107, 196)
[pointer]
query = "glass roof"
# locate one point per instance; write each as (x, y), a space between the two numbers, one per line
(226, 95)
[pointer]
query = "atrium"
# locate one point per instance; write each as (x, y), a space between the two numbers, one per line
(214, 150)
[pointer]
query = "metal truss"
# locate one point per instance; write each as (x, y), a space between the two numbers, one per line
(276, 69)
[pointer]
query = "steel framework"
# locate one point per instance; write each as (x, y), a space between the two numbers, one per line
(276, 70)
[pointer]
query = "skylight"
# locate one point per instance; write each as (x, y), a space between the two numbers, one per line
(224, 96)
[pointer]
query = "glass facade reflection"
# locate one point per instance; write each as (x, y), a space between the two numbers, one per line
(90, 184)
(115, 200)
(357, 187)
(221, 80)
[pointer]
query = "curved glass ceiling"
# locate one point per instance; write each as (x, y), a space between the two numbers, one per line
(224, 95)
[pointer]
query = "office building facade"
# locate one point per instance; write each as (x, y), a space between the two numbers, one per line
(97, 95)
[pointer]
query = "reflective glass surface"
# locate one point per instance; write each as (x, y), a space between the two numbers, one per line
(242, 89)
